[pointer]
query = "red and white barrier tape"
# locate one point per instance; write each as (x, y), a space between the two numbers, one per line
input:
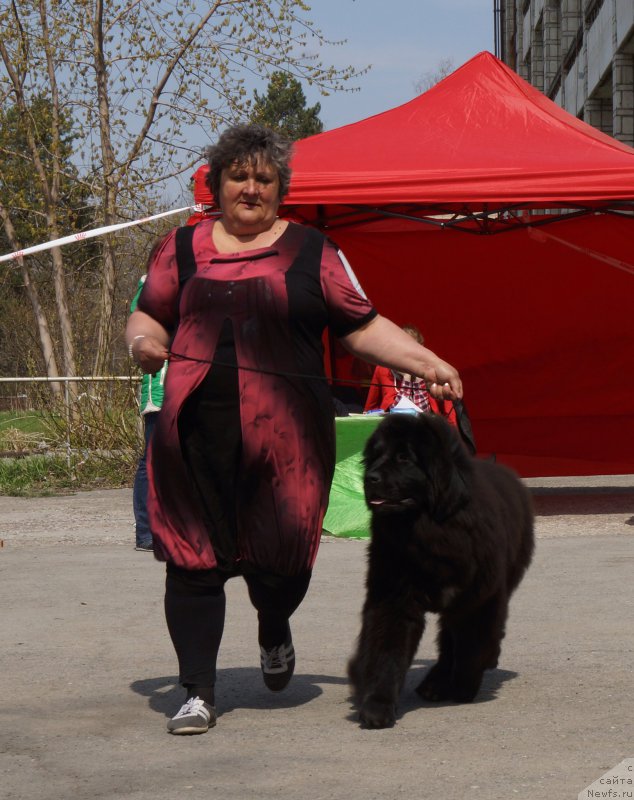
(79, 237)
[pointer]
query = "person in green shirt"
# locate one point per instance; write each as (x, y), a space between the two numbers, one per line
(150, 405)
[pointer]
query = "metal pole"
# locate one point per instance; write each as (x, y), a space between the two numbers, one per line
(67, 398)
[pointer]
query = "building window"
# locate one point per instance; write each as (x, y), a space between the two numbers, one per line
(573, 50)
(592, 11)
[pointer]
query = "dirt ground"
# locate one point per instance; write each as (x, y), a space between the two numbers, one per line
(88, 675)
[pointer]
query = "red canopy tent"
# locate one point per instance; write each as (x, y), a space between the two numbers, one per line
(503, 227)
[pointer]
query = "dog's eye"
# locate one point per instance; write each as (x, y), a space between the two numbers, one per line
(402, 457)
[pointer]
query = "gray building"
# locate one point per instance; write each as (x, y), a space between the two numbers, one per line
(580, 53)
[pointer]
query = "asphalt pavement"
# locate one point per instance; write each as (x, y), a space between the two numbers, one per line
(88, 675)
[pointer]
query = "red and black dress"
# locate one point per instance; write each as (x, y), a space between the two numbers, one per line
(243, 452)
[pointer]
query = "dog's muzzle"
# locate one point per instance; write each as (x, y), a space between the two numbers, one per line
(381, 497)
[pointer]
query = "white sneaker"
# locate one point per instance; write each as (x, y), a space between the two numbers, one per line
(195, 716)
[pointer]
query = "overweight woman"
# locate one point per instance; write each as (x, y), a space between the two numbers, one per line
(243, 452)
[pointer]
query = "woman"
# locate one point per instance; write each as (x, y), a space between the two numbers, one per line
(243, 452)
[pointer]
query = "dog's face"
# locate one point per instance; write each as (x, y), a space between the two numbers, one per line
(414, 464)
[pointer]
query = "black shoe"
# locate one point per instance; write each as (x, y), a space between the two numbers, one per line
(278, 665)
(145, 547)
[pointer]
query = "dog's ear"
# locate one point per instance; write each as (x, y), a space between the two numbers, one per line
(449, 466)
(370, 449)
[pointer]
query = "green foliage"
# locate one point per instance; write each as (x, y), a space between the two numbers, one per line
(103, 418)
(22, 430)
(51, 451)
(283, 108)
(170, 75)
(20, 187)
(46, 475)
(118, 98)
(26, 421)
(28, 206)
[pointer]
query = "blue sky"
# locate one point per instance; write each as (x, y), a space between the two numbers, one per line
(403, 40)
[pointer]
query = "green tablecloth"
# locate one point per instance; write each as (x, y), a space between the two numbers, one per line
(347, 513)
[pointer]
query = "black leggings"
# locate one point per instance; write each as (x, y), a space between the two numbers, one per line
(195, 613)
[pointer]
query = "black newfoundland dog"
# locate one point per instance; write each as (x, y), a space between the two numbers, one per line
(451, 534)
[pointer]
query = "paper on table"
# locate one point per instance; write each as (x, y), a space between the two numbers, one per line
(405, 404)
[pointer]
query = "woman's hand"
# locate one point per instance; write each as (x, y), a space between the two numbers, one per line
(148, 353)
(147, 342)
(443, 382)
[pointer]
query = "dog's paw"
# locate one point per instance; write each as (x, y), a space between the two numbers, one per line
(465, 690)
(439, 688)
(374, 714)
(435, 687)
(460, 695)
(433, 693)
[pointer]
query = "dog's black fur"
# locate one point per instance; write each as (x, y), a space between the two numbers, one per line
(451, 534)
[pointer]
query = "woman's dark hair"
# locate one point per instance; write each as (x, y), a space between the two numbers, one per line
(246, 144)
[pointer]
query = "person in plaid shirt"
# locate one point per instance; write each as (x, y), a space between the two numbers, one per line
(388, 387)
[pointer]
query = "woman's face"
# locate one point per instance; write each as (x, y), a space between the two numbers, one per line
(249, 196)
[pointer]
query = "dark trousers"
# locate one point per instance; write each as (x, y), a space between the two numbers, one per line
(195, 613)
(140, 487)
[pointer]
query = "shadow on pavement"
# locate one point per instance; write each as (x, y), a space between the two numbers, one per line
(241, 687)
(410, 701)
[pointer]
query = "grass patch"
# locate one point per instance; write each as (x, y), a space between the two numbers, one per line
(24, 421)
(100, 427)
(24, 431)
(51, 474)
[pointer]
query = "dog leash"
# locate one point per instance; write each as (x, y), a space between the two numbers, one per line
(279, 373)
(464, 424)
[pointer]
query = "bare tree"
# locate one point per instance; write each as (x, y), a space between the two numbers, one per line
(434, 76)
(17, 68)
(148, 82)
(39, 314)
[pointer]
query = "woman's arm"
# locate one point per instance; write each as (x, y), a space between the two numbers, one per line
(380, 341)
(147, 341)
